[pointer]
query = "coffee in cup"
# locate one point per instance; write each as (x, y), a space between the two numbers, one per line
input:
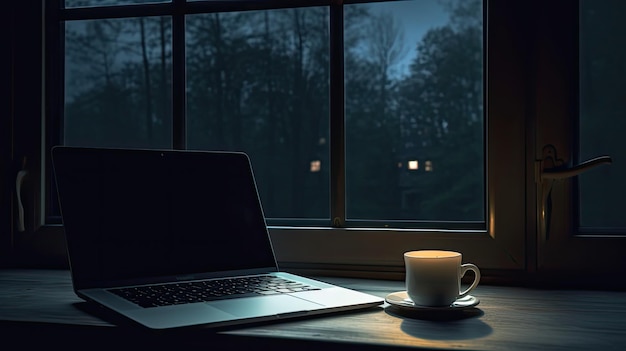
(433, 277)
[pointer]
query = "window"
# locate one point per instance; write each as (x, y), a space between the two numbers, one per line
(579, 116)
(263, 88)
(414, 93)
(391, 151)
(117, 83)
(600, 126)
(413, 88)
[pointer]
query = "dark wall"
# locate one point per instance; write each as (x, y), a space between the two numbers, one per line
(6, 93)
(21, 65)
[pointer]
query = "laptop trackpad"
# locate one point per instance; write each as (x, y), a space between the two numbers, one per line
(265, 305)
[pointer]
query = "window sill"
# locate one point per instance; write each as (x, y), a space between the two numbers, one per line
(354, 252)
(46, 249)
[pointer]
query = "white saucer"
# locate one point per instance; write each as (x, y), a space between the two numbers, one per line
(401, 299)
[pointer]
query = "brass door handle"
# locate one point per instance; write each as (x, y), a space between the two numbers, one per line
(549, 169)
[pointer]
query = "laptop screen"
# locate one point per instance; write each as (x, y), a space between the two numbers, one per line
(148, 213)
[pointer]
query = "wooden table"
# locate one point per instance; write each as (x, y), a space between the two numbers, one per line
(38, 308)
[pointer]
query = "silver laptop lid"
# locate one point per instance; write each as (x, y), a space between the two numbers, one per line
(150, 215)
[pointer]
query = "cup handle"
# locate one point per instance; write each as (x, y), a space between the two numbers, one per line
(470, 267)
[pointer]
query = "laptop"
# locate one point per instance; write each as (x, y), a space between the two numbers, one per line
(172, 239)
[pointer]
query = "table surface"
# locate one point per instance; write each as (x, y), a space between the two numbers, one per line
(507, 318)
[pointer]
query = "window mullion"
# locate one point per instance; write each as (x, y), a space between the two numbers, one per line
(337, 119)
(178, 77)
(54, 90)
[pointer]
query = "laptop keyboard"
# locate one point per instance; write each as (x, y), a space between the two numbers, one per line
(209, 290)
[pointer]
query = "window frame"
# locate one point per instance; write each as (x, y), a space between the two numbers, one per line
(503, 246)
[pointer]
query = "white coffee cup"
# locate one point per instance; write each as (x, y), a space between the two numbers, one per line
(433, 277)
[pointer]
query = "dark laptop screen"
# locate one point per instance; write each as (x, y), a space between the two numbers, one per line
(148, 213)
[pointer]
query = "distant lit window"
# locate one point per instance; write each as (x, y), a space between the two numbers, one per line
(428, 166)
(316, 166)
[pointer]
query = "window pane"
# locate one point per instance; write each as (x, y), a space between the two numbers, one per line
(602, 109)
(118, 83)
(88, 3)
(257, 81)
(414, 111)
